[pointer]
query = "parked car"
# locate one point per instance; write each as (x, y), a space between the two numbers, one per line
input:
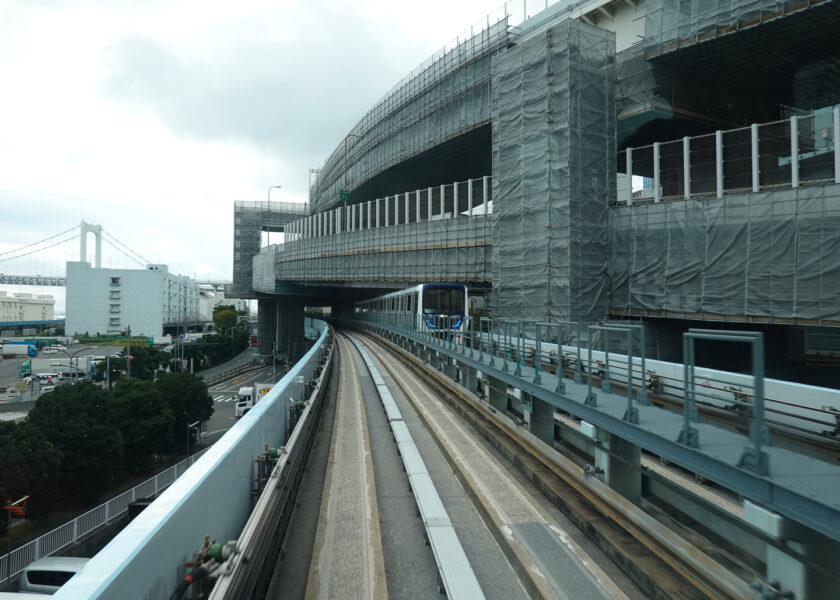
(45, 379)
(47, 575)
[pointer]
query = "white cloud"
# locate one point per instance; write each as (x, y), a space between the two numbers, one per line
(152, 117)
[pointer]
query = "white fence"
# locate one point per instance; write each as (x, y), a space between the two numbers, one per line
(74, 531)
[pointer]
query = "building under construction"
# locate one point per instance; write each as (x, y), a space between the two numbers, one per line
(669, 161)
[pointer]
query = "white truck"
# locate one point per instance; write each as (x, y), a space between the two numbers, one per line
(16, 350)
(248, 396)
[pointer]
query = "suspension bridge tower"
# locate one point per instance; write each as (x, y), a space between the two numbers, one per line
(96, 230)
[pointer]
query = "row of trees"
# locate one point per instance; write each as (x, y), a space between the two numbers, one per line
(80, 439)
(211, 350)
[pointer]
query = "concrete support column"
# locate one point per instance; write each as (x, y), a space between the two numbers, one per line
(267, 325)
(450, 368)
(617, 462)
(540, 417)
(786, 560)
(497, 394)
(468, 378)
(290, 327)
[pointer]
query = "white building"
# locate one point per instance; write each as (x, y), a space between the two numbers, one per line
(108, 301)
(26, 307)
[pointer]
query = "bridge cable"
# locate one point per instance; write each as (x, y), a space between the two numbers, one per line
(53, 245)
(39, 242)
(144, 260)
(123, 252)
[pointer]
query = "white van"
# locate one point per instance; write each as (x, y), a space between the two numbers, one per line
(46, 575)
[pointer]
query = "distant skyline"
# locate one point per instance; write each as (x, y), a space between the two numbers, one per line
(151, 117)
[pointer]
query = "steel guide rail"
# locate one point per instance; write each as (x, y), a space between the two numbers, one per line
(454, 569)
(535, 350)
(820, 512)
(703, 571)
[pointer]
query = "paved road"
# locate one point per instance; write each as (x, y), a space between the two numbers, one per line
(223, 394)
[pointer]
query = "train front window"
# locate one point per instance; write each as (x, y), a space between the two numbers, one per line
(443, 301)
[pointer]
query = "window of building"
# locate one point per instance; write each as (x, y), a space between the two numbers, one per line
(115, 280)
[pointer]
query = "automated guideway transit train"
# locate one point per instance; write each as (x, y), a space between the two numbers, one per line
(432, 305)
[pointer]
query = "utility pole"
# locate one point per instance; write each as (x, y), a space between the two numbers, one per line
(128, 352)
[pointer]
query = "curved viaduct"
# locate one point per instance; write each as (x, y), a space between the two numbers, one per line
(497, 162)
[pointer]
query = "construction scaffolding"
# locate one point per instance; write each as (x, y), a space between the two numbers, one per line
(250, 219)
(447, 97)
(553, 173)
(435, 234)
(767, 257)
(674, 24)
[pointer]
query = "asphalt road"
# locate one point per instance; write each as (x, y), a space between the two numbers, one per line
(10, 367)
(223, 394)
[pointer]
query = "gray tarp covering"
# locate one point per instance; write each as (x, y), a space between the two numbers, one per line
(393, 257)
(770, 254)
(670, 22)
(250, 219)
(553, 173)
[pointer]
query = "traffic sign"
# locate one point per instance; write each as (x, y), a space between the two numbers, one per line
(344, 195)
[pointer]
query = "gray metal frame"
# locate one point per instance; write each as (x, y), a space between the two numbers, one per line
(801, 503)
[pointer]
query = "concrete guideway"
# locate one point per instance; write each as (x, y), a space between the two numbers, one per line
(347, 558)
(547, 559)
(455, 575)
(658, 559)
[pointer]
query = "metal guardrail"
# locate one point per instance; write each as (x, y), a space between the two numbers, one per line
(801, 150)
(74, 531)
(251, 366)
(809, 502)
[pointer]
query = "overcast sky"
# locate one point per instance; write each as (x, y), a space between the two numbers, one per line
(150, 117)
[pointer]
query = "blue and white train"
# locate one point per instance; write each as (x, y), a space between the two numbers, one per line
(427, 306)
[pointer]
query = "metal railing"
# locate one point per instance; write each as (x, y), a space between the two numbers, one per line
(434, 203)
(596, 355)
(251, 366)
(801, 150)
(74, 531)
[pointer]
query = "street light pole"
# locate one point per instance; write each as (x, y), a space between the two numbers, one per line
(189, 428)
(271, 187)
(309, 189)
(347, 137)
(268, 199)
